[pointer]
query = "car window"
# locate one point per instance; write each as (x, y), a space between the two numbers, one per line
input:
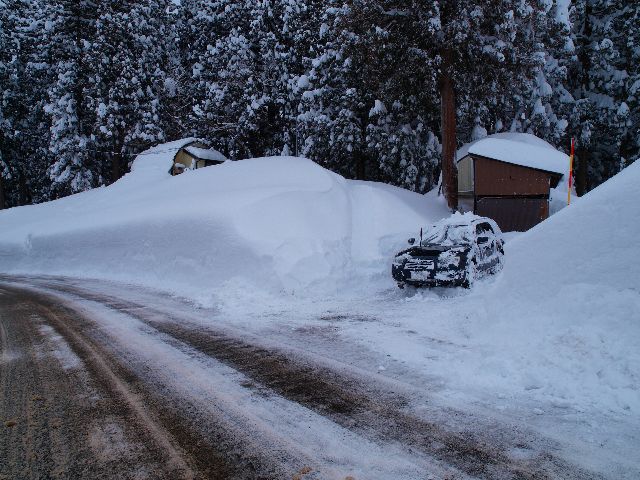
(484, 229)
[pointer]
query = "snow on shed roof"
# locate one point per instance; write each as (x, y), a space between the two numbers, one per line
(157, 161)
(519, 149)
(206, 153)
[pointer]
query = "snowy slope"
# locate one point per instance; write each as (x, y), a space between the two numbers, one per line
(571, 288)
(274, 223)
(561, 325)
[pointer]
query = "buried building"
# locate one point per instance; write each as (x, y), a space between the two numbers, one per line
(188, 154)
(508, 177)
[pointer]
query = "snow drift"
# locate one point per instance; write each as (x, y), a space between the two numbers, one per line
(565, 314)
(273, 223)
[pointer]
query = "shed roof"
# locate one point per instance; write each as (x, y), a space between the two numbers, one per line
(157, 161)
(521, 149)
(205, 153)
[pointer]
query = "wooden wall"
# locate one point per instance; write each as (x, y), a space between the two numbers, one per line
(495, 178)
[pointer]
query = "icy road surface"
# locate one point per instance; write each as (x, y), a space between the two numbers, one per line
(105, 380)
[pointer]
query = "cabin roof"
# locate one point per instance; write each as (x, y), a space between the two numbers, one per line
(205, 153)
(521, 149)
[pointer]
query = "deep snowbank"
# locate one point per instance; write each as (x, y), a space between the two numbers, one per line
(565, 314)
(272, 223)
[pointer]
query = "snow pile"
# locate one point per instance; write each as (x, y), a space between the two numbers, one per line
(568, 322)
(271, 223)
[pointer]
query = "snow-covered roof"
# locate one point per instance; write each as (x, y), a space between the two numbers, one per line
(158, 160)
(519, 149)
(206, 153)
(168, 147)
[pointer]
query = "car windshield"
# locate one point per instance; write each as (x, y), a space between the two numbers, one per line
(447, 235)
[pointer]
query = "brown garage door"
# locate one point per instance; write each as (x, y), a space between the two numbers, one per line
(513, 214)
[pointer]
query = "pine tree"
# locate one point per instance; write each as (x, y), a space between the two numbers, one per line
(334, 114)
(127, 82)
(545, 102)
(246, 71)
(605, 87)
(69, 39)
(25, 76)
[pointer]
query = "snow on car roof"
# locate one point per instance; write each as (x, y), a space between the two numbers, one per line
(457, 219)
(519, 149)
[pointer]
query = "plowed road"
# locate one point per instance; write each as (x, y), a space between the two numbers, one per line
(103, 383)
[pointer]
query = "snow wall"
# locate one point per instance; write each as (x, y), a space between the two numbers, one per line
(277, 223)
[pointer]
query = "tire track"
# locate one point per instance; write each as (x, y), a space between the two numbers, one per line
(345, 400)
(180, 443)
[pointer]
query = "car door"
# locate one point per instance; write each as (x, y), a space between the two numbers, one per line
(485, 240)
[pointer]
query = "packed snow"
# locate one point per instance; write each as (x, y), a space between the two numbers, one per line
(277, 224)
(282, 245)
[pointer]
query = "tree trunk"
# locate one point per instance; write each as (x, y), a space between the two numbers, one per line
(118, 164)
(448, 120)
(2, 205)
(115, 167)
(360, 166)
(25, 194)
(581, 171)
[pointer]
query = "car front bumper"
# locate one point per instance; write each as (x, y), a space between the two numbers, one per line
(430, 271)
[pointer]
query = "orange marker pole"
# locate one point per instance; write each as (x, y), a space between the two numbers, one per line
(573, 145)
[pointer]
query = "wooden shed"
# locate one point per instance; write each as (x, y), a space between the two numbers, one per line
(508, 177)
(193, 154)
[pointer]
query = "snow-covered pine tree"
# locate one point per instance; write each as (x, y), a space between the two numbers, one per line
(630, 62)
(5, 93)
(220, 61)
(334, 111)
(176, 97)
(544, 105)
(606, 85)
(402, 120)
(127, 81)
(26, 75)
(482, 50)
(244, 69)
(69, 35)
(464, 55)
(298, 34)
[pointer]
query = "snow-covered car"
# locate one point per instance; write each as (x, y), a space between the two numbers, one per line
(454, 252)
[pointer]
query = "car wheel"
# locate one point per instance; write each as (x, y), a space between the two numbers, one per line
(472, 274)
(498, 266)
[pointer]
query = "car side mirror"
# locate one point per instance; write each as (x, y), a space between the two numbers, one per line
(411, 241)
(482, 240)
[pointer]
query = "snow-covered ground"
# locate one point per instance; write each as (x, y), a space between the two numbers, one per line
(277, 224)
(281, 246)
